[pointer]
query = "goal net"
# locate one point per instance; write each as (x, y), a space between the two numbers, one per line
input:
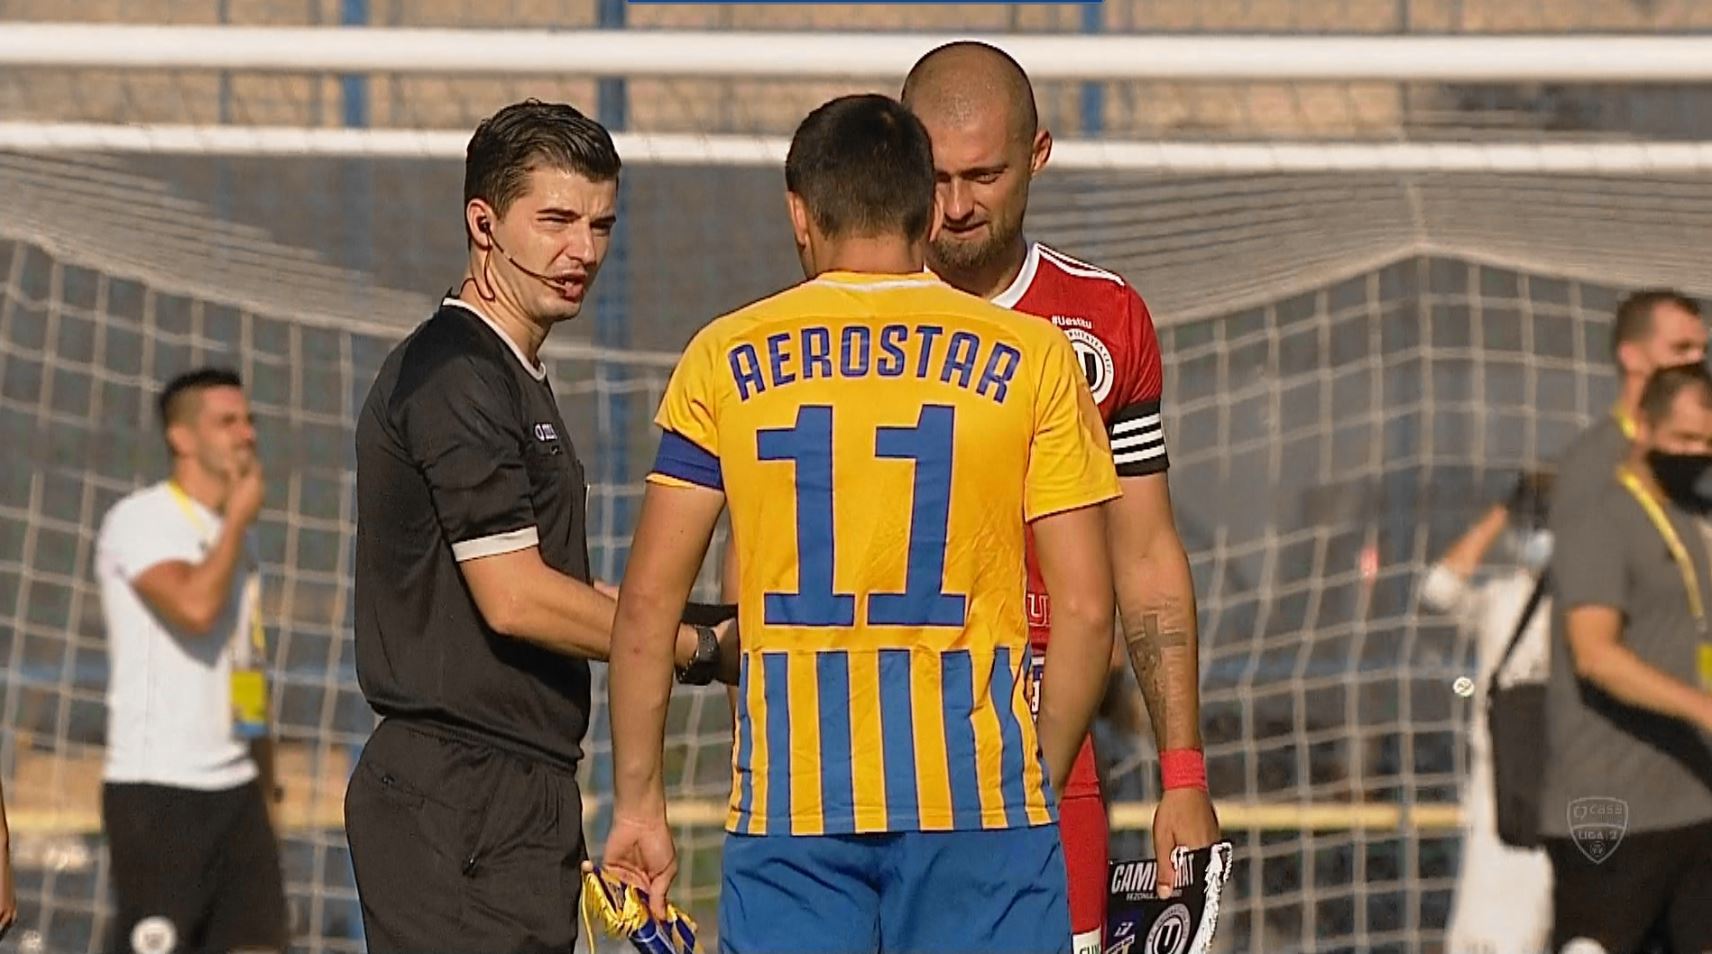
(1362, 345)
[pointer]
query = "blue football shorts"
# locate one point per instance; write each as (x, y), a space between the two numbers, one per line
(958, 892)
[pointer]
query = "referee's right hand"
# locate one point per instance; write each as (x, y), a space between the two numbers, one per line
(639, 850)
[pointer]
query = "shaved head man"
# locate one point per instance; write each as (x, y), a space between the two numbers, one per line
(978, 107)
(967, 81)
(979, 110)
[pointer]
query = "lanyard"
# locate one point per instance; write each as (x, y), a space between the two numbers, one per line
(1672, 542)
(1625, 423)
(252, 586)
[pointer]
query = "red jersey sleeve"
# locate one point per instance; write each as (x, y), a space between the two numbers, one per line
(1135, 423)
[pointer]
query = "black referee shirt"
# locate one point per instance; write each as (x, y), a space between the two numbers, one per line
(461, 453)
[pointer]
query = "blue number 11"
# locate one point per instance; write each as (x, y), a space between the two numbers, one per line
(924, 601)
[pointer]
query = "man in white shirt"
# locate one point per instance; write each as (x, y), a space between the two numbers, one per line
(1503, 894)
(188, 775)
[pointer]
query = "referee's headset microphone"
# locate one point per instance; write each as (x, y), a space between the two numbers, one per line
(557, 284)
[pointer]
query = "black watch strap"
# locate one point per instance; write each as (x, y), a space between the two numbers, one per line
(704, 665)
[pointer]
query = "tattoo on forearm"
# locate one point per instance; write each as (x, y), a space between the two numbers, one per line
(1147, 644)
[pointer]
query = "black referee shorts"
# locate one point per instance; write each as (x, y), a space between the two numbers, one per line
(462, 847)
(1655, 882)
(192, 870)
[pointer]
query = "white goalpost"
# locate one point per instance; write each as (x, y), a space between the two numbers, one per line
(689, 149)
(1380, 287)
(884, 56)
(868, 57)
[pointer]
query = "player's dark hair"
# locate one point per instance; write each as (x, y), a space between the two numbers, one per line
(1634, 321)
(511, 143)
(180, 394)
(1665, 384)
(863, 165)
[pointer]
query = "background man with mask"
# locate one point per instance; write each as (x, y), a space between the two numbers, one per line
(1627, 805)
(1653, 329)
(1503, 894)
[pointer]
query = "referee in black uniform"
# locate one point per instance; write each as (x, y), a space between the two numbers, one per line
(475, 615)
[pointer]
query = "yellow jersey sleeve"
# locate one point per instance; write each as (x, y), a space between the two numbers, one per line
(1070, 461)
(689, 420)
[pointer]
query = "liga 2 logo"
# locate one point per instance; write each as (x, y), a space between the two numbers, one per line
(1597, 825)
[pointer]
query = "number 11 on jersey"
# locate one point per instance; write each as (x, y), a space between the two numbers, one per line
(808, 445)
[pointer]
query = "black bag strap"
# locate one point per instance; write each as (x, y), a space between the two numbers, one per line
(1540, 586)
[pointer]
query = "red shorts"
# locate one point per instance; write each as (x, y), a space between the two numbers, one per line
(1082, 826)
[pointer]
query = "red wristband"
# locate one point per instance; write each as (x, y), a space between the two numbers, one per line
(1183, 768)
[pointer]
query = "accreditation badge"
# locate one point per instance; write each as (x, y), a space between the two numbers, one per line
(249, 702)
(249, 685)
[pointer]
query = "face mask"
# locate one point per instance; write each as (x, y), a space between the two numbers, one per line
(1682, 477)
(1535, 549)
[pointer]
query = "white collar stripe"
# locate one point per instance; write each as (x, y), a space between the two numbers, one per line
(538, 371)
(1025, 278)
(1075, 267)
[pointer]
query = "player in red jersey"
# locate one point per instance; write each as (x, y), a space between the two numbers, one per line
(979, 108)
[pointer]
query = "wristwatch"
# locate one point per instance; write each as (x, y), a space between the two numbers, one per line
(704, 665)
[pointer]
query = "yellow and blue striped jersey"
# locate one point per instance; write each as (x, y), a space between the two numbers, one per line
(881, 441)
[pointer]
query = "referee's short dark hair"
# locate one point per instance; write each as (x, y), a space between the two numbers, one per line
(863, 166)
(1634, 321)
(180, 394)
(511, 143)
(1665, 384)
